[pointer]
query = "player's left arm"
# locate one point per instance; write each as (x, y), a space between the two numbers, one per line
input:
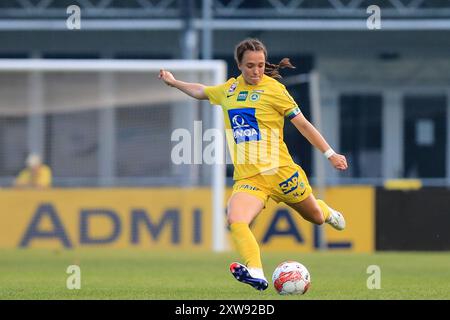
(317, 140)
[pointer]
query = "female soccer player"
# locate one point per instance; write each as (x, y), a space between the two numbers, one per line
(254, 106)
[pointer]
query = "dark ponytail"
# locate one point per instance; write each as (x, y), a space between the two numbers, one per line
(273, 70)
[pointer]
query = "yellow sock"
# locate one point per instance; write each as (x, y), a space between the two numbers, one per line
(326, 211)
(246, 244)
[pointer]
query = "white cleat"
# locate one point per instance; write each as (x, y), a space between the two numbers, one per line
(336, 220)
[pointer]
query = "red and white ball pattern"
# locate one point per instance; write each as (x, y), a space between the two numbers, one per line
(291, 277)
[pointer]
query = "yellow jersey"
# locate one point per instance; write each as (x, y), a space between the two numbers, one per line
(254, 120)
(43, 178)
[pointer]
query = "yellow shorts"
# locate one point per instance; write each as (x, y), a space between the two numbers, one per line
(287, 184)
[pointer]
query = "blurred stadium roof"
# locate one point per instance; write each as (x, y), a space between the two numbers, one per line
(225, 14)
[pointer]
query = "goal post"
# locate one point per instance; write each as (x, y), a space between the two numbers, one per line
(95, 121)
(318, 159)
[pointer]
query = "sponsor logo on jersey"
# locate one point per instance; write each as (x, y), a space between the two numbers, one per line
(244, 124)
(232, 89)
(242, 96)
(290, 184)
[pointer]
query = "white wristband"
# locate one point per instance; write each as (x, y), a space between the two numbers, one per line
(330, 152)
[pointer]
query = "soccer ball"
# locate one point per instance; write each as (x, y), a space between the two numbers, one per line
(291, 277)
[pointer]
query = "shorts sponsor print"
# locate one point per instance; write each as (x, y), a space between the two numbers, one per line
(288, 184)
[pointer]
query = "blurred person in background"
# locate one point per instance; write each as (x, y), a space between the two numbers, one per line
(255, 103)
(35, 175)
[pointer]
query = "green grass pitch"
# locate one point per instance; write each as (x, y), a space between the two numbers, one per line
(145, 274)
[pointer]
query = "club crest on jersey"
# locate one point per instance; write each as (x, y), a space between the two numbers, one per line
(244, 124)
(290, 184)
(254, 97)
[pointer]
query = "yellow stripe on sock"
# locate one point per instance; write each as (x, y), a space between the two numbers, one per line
(246, 244)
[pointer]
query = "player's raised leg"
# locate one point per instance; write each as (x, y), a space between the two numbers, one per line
(242, 209)
(318, 212)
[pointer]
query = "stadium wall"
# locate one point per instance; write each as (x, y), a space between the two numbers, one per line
(173, 218)
(167, 218)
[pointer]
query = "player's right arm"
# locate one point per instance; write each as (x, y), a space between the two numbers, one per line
(195, 90)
